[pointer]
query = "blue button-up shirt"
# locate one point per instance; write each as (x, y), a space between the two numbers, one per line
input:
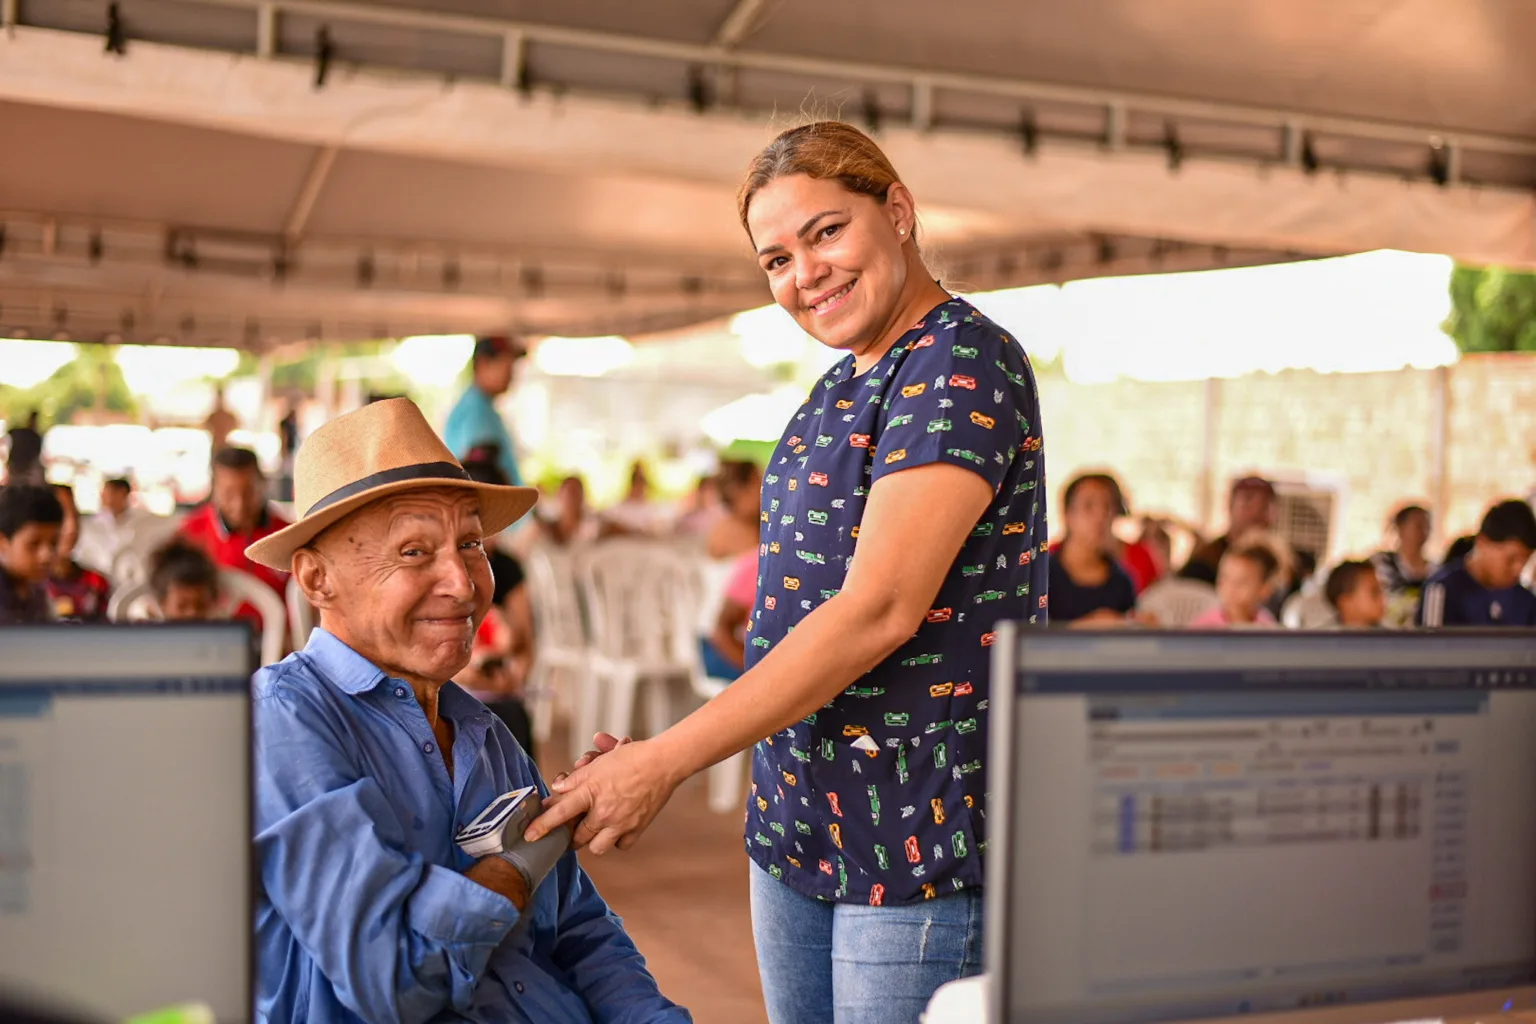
(364, 911)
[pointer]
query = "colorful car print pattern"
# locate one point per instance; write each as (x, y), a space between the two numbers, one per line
(880, 796)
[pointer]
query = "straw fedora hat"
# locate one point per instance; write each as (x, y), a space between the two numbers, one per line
(381, 449)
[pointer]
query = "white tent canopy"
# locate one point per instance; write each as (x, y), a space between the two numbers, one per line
(475, 165)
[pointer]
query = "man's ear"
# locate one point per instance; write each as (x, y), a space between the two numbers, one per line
(314, 577)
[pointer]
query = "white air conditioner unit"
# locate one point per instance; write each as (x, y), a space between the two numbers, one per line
(1307, 512)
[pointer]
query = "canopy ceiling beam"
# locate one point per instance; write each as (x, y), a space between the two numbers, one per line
(1066, 185)
(309, 192)
(743, 22)
(865, 75)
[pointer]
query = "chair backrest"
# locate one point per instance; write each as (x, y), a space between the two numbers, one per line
(238, 587)
(1308, 609)
(130, 566)
(136, 603)
(554, 597)
(643, 599)
(1176, 602)
(301, 617)
(713, 574)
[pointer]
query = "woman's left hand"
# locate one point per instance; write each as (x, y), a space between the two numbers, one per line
(616, 796)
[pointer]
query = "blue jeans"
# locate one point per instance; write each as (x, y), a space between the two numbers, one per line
(846, 963)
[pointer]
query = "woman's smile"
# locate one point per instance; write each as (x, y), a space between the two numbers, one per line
(830, 301)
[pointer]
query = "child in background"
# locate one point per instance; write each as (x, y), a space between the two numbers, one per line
(76, 593)
(31, 519)
(1482, 588)
(1355, 592)
(185, 583)
(1245, 581)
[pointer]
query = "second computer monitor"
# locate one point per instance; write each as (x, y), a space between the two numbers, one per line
(1199, 826)
(125, 818)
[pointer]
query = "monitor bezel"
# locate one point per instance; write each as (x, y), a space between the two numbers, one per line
(250, 664)
(1002, 764)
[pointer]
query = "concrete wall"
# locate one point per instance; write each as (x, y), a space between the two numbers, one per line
(1376, 436)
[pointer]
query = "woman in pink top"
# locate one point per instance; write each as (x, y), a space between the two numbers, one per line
(733, 537)
(725, 649)
(1245, 580)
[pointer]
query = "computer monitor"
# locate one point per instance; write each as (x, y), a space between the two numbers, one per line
(1332, 827)
(125, 818)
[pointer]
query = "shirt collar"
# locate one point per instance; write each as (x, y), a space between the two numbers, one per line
(352, 673)
(222, 528)
(339, 664)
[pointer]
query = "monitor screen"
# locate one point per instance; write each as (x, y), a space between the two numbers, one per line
(125, 851)
(1205, 825)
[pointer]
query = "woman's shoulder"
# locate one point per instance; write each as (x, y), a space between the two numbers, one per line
(961, 338)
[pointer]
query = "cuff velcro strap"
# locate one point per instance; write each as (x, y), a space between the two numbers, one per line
(534, 861)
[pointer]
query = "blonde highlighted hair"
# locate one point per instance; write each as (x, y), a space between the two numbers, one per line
(828, 150)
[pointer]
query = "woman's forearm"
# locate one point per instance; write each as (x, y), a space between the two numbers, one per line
(831, 648)
(889, 588)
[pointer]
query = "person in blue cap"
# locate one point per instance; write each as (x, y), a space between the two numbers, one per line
(474, 421)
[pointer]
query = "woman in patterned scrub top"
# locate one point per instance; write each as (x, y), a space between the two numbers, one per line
(902, 518)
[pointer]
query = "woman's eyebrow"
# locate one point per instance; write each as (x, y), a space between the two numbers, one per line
(807, 226)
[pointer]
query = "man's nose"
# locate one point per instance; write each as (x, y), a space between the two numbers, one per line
(455, 581)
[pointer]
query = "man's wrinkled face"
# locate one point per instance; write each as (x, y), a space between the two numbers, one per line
(407, 582)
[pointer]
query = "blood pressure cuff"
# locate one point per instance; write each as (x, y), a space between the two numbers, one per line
(534, 861)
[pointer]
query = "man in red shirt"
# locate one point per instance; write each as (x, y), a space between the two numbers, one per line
(235, 516)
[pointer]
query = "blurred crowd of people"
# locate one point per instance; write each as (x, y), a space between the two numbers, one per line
(1250, 577)
(60, 565)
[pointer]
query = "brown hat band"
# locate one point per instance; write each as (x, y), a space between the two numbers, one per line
(420, 471)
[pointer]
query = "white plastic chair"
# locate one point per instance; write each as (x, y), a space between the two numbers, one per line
(1176, 602)
(1308, 609)
(149, 533)
(136, 603)
(561, 648)
(727, 779)
(301, 616)
(133, 602)
(130, 566)
(642, 609)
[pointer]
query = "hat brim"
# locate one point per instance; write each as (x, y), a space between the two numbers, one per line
(500, 507)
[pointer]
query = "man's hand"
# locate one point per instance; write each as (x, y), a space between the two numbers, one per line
(602, 743)
(501, 877)
(620, 793)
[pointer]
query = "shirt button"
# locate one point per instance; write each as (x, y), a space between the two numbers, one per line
(400, 691)
(519, 986)
(427, 748)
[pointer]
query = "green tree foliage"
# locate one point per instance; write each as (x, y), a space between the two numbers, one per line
(1492, 310)
(92, 380)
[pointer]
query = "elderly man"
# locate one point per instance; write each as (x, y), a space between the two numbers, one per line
(370, 762)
